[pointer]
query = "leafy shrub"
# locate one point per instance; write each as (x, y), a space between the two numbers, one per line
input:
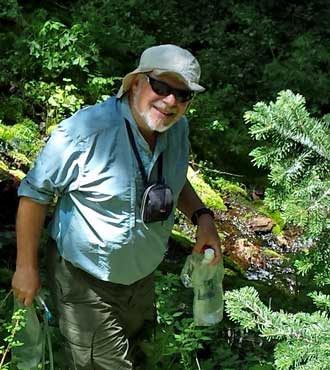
(10, 325)
(59, 48)
(20, 143)
(55, 101)
(12, 109)
(9, 9)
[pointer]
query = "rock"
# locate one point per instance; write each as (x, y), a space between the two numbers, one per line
(245, 253)
(281, 241)
(261, 224)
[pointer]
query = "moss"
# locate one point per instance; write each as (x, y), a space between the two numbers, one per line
(276, 230)
(274, 215)
(182, 239)
(273, 254)
(230, 273)
(233, 266)
(225, 187)
(209, 197)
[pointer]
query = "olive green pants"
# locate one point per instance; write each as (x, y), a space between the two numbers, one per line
(99, 320)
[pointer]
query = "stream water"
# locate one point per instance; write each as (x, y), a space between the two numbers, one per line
(261, 254)
(277, 269)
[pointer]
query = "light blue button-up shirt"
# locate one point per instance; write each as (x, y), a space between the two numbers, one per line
(88, 163)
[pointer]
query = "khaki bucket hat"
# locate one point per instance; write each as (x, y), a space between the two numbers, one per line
(166, 59)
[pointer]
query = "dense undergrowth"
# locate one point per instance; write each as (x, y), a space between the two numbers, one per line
(176, 342)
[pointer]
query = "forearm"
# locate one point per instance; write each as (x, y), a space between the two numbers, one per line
(29, 224)
(189, 201)
(206, 233)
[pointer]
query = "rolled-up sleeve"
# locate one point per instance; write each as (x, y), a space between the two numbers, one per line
(57, 168)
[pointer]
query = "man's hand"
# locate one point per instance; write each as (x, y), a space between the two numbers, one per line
(207, 235)
(26, 284)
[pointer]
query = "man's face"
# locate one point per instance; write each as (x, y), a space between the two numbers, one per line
(154, 112)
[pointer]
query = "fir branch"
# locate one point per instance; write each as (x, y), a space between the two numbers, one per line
(321, 300)
(296, 150)
(301, 335)
(289, 119)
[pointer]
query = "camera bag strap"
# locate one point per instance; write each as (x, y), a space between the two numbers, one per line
(138, 158)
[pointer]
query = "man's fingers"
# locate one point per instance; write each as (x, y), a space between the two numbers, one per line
(25, 298)
(216, 260)
(21, 298)
(27, 301)
(26, 284)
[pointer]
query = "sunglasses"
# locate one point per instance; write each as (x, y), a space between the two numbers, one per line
(163, 89)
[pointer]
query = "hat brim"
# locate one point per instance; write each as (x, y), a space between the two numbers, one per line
(129, 78)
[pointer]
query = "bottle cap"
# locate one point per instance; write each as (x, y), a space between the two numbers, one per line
(208, 254)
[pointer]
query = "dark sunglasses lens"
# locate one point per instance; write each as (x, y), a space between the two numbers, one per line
(184, 95)
(163, 89)
(159, 87)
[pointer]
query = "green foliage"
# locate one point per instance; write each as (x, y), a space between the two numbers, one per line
(99, 88)
(12, 109)
(58, 101)
(120, 38)
(180, 345)
(20, 142)
(296, 149)
(89, 41)
(322, 301)
(304, 338)
(177, 339)
(9, 327)
(59, 48)
(296, 70)
(21, 136)
(9, 9)
(313, 259)
(208, 196)
(57, 56)
(16, 324)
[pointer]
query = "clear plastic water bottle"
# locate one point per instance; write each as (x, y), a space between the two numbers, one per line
(206, 280)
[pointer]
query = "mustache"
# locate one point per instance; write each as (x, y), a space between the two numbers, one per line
(165, 109)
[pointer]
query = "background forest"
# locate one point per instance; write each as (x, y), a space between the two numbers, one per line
(58, 56)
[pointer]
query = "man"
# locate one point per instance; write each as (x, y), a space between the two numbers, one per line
(104, 251)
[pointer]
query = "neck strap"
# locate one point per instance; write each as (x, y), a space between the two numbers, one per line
(138, 158)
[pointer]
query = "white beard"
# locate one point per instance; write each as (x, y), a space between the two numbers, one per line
(147, 116)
